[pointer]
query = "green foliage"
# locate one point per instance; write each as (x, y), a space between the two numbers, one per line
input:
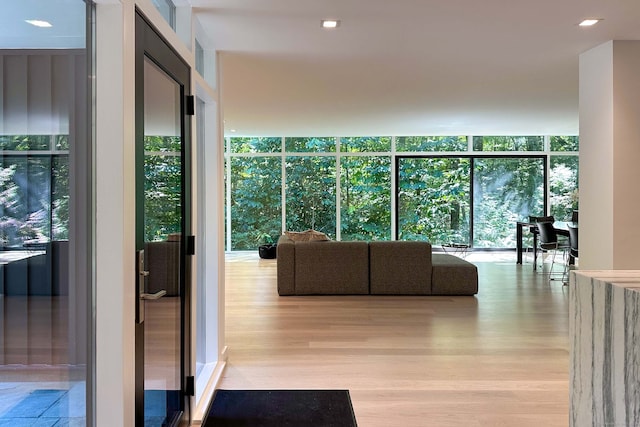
(564, 143)
(60, 198)
(508, 143)
(431, 143)
(320, 144)
(256, 203)
(505, 190)
(61, 142)
(563, 183)
(24, 142)
(434, 199)
(30, 187)
(433, 202)
(162, 187)
(255, 145)
(365, 144)
(365, 191)
(311, 193)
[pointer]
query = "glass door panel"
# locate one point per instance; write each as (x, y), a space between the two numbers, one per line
(160, 268)
(505, 190)
(433, 199)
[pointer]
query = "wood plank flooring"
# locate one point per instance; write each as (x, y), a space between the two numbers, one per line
(497, 359)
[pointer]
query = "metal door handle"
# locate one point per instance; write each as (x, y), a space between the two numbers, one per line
(155, 296)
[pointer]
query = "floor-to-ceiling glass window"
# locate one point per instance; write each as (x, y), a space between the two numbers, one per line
(505, 190)
(311, 193)
(256, 203)
(443, 189)
(310, 184)
(563, 182)
(45, 214)
(365, 188)
(434, 199)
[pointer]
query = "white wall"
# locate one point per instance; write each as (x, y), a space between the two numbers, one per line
(115, 214)
(610, 156)
(115, 209)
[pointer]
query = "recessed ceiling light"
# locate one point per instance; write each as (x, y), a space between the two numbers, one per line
(232, 130)
(38, 23)
(329, 23)
(589, 22)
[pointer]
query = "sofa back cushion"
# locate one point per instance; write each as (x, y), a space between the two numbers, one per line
(286, 262)
(331, 268)
(400, 267)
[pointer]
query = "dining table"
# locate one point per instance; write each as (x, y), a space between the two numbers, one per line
(561, 227)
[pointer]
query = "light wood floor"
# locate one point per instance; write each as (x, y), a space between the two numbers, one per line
(497, 359)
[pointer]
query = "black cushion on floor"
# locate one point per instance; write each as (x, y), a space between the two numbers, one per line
(281, 408)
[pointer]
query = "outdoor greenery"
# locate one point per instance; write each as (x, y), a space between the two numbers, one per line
(431, 143)
(34, 189)
(563, 183)
(256, 203)
(299, 145)
(365, 194)
(365, 144)
(505, 190)
(255, 145)
(311, 193)
(508, 143)
(162, 187)
(564, 143)
(472, 197)
(433, 202)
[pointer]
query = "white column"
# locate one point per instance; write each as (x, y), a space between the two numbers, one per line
(610, 156)
(115, 214)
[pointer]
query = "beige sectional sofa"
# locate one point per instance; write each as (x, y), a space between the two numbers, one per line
(377, 268)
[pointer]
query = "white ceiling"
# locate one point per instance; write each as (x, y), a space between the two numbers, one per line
(406, 67)
(67, 18)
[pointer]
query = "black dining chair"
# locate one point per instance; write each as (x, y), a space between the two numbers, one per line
(573, 240)
(574, 216)
(534, 231)
(549, 242)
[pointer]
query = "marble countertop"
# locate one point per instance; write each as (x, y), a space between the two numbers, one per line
(629, 279)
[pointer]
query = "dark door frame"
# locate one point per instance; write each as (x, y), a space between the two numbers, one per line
(150, 44)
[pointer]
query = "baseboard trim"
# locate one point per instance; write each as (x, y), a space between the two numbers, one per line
(202, 405)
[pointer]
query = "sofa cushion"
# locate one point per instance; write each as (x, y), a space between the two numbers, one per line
(400, 267)
(331, 268)
(285, 254)
(453, 276)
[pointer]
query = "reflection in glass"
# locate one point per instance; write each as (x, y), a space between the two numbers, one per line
(163, 190)
(199, 54)
(163, 187)
(44, 215)
(168, 11)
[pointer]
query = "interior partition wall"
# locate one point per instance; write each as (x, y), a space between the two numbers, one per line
(46, 282)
